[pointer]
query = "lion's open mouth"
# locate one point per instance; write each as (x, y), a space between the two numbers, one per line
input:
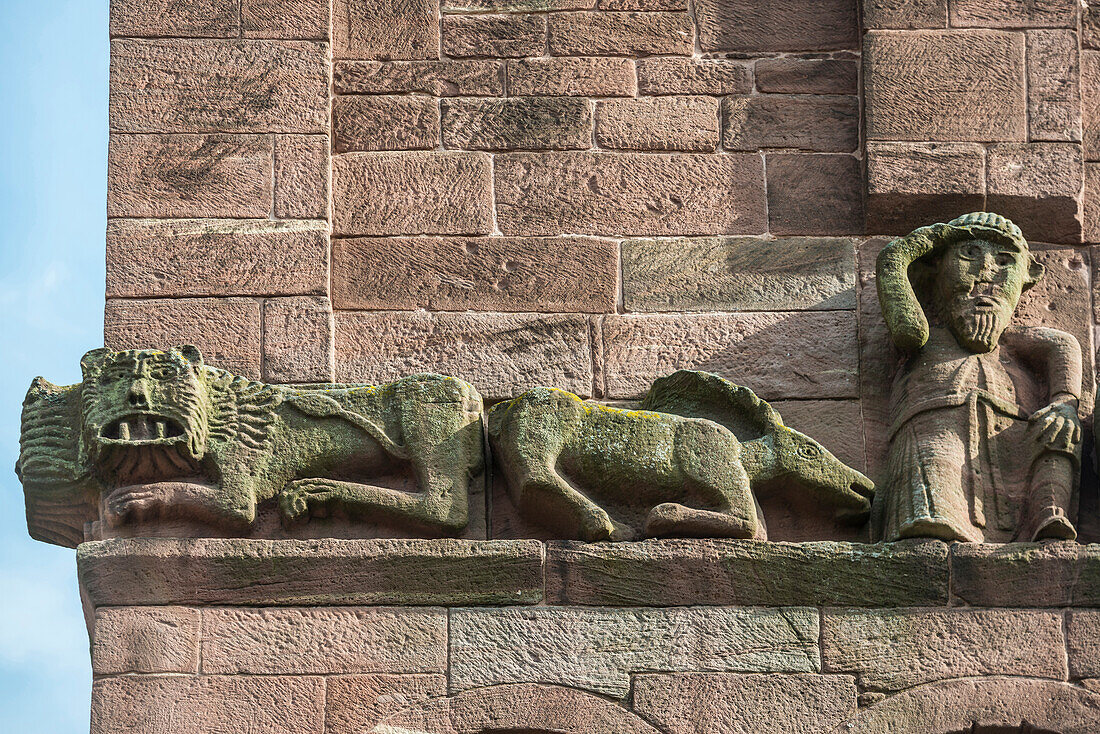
(142, 428)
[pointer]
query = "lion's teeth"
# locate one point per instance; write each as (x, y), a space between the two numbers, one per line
(162, 429)
(124, 430)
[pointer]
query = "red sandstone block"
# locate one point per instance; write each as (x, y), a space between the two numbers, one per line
(807, 354)
(515, 6)
(1090, 99)
(1014, 14)
(517, 123)
(439, 78)
(567, 274)
(201, 18)
(920, 86)
(1015, 575)
(620, 34)
(501, 354)
(1090, 24)
(385, 29)
(298, 339)
(225, 704)
(1053, 91)
(301, 176)
(148, 258)
(227, 330)
(629, 194)
(501, 36)
(904, 14)
(411, 193)
(173, 85)
(357, 703)
(658, 123)
(805, 122)
(643, 4)
(1091, 222)
(791, 75)
(189, 175)
(145, 640)
(1083, 643)
(384, 123)
(1038, 186)
(291, 19)
(673, 75)
(814, 194)
(751, 25)
(593, 76)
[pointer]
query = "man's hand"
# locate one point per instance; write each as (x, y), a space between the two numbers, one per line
(1057, 426)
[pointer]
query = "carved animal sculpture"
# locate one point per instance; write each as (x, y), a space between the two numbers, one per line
(155, 435)
(690, 458)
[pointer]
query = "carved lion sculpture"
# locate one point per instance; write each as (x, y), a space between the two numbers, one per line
(154, 435)
(687, 462)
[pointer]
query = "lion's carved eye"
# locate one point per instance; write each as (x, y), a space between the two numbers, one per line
(809, 451)
(163, 371)
(113, 374)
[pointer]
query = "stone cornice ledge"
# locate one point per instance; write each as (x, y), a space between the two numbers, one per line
(145, 571)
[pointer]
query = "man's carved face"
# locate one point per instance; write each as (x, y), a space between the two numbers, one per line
(978, 285)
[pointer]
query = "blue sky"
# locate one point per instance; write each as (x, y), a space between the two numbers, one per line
(53, 168)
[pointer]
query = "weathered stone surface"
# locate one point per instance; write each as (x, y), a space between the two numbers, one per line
(892, 650)
(1090, 225)
(189, 176)
(227, 330)
(408, 122)
(629, 194)
(200, 19)
(411, 193)
(567, 274)
(1038, 186)
(791, 75)
(1013, 14)
(830, 422)
(904, 14)
(1090, 24)
(148, 258)
(686, 703)
(814, 194)
(746, 573)
(301, 176)
(254, 704)
(1023, 574)
(658, 123)
(1083, 643)
(502, 354)
(594, 76)
(598, 649)
(805, 122)
(1053, 89)
(781, 355)
(498, 36)
(175, 85)
(921, 86)
(517, 123)
(643, 4)
(1090, 103)
(324, 640)
(357, 703)
(291, 19)
(439, 78)
(738, 274)
(620, 34)
(515, 6)
(674, 75)
(315, 572)
(146, 640)
(748, 25)
(298, 339)
(385, 29)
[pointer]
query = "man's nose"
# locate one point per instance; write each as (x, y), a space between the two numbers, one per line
(139, 394)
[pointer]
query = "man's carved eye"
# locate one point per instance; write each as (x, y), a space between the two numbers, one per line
(163, 371)
(972, 251)
(1005, 259)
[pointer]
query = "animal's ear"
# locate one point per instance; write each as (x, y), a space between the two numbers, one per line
(1035, 272)
(93, 360)
(192, 354)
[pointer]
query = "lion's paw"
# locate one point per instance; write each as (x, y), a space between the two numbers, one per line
(299, 497)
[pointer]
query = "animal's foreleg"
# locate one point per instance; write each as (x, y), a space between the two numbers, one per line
(303, 497)
(552, 501)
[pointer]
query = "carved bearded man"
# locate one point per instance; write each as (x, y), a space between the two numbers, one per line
(984, 441)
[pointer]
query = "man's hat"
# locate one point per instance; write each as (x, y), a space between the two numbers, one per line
(987, 225)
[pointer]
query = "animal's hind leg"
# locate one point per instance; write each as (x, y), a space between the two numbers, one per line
(546, 495)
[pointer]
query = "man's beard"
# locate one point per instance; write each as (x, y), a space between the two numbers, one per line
(978, 331)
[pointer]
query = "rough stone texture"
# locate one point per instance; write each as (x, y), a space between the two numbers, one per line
(1083, 643)
(658, 123)
(643, 4)
(501, 354)
(1090, 24)
(517, 123)
(629, 194)
(597, 649)
(439, 78)
(125, 572)
(920, 86)
(227, 330)
(729, 573)
(1090, 226)
(301, 176)
(749, 25)
(357, 703)
(781, 355)
(738, 274)
(1014, 14)
(175, 85)
(790, 75)
(892, 650)
(200, 19)
(814, 194)
(146, 640)
(620, 34)
(904, 14)
(804, 122)
(253, 704)
(515, 6)
(1053, 89)
(1023, 574)
(1038, 186)
(385, 29)
(499, 36)
(686, 703)
(189, 176)
(830, 422)
(411, 193)
(298, 340)
(567, 274)
(1090, 102)
(598, 77)
(384, 123)
(672, 75)
(291, 19)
